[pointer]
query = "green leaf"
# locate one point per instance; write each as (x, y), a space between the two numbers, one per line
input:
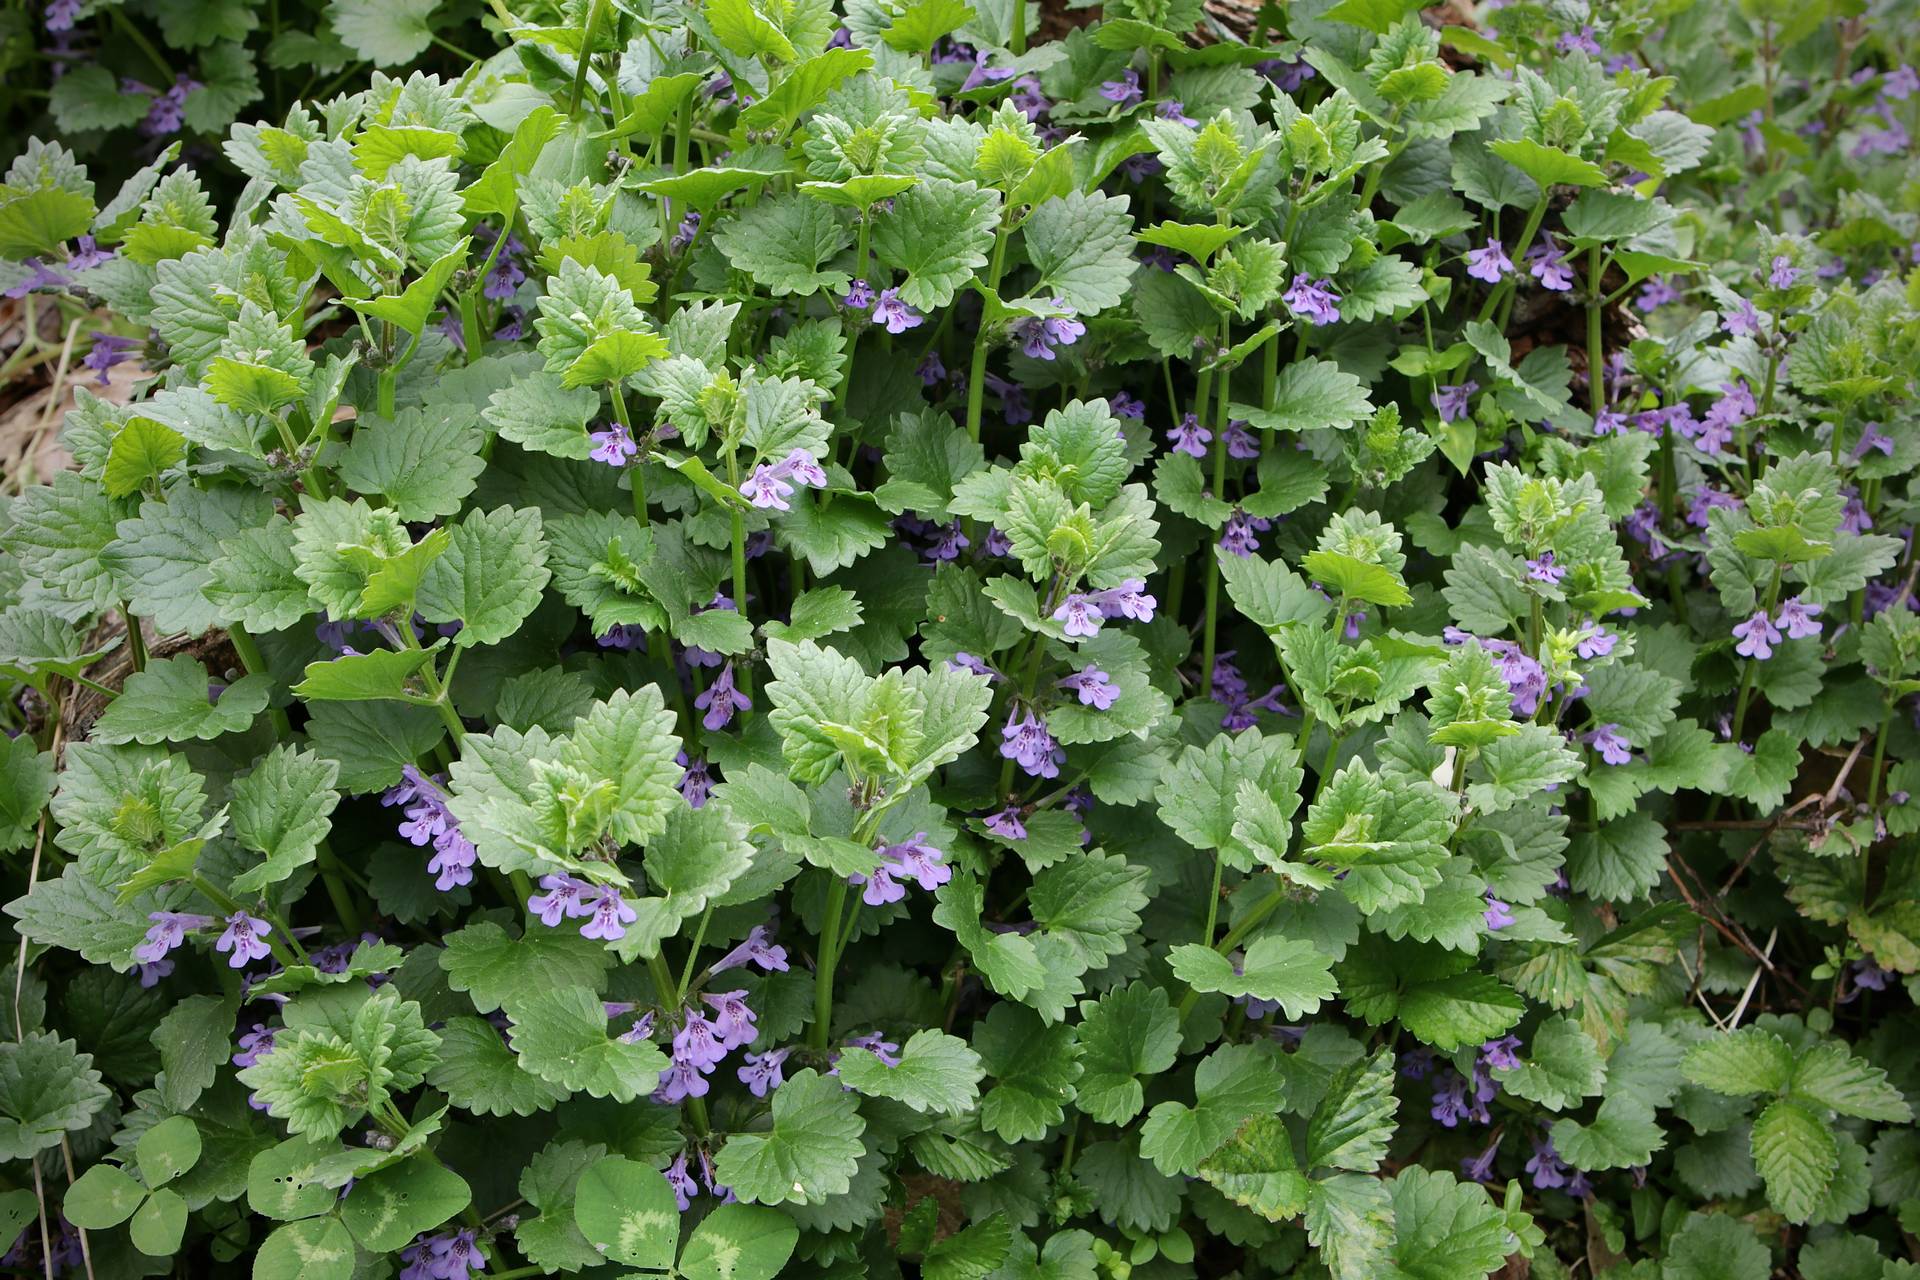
(1829, 1076)
(384, 32)
(102, 1198)
(1467, 1008)
(281, 809)
(1445, 1229)
(479, 1073)
(1034, 1067)
(159, 1224)
(783, 242)
(690, 866)
(1352, 1125)
(1310, 395)
(411, 308)
(739, 1242)
(939, 233)
(1257, 1170)
(561, 1036)
(1199, 795)
(1289, 970)
(388, 1208)
(498, 970)
(171, 701)
(937, 1073)
(142, 452)
(627, 1210)
(359, 677)
(1749, 1060)
(1081, 246)
(1622, 1133)
(1232, 1085)
(168, 1150)
(1562, 1066)
(424, 463)
(47, 1088)
(490, 577)
(1716, 1246)
(1548, 166)
(1796, 1153)
(317, 1249)
(194, 1042)
(26, 784)
(810, 1153)
(1128, 1034)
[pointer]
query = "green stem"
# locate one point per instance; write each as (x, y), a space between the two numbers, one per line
(977, 373)
(693, 952)
(1019, 39)
(1211, 626)
(1596, 369)
(635, 478)
(1213, 900)
(288, 952)
(1879, 759)
(595, 16)
(824, 966)
(136, 639)
(1258, 912)
(670, 1008)
(737, 533)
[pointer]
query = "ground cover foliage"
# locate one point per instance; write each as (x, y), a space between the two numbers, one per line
(755, 639)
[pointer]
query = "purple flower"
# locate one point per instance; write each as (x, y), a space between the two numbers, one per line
(565, 898)
(507, 275)
(42, 277)
(1545, 570)
(1027, 743)
(1869, 976)
(897, 316)
(964, 661)
(679, 1081)
(1190, 437)
(1502, 1054)
(1613, 748)
(1124, 405)
(86, 254)
(1128, 600)
(1313, 301)
(1656, 293)
(1240, 442)
(948, 544)
(1546, 1169)
(915, 857)
(1549, 266)
(1596, 642)
(108, 350)
(1872, 437)
(1580, 41)
(858, 297)
(1027, 98)
(429, 821)
(879, 886)
(1079, 615)
(1450, 1104)
(684, 233)
(608, 915)
(253, 1045)
(733, 1019)
(930, 369)
(1480, 1168)
(1237, 535)
(1014, 406)
(512, 325)
(1781, 273)
(767, 489)
(1799, 620)
(684, 1187)
(1006, 824)
(874, 1043)
(1095, 687)
(696, 784)
(721, 700)
(167, 931)
(1173, 109)
(758, 950)
(1038, 337)
(452, 1256)
(761, 1071)
(244, 938)
(698, 1043)
(1489, 262)
(1742, 321)
(1757, 636)
(1498, 914)
(613, 446)
(62, 14)
(1125, 91)
(1454, 401)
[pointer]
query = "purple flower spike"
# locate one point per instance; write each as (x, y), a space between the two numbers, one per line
(1189, 437)
(429, 821)
(1313, 301)
(1095, 687)
(1613, 748)
(1489, 262)
(1757, 636)
(761, 1072)
(1454, 402)
(1549, 266)
(245, 938)
(1498, 914)
(613, 446)
(167, 931)
(895, 315)
(1006, 824)
(1800, 621)
(1028, 744)
(721, 700)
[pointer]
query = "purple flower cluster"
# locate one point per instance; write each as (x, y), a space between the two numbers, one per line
(1038, 337)
(430, 822)
(1081, 613)
(1759, 633)
(606, 913)
(1231, 691)
(1026, 742)
(685, 1188)
(888, 309)
(1526, 678)
(768, 486)
(452, 1255)
(1313, 301)
(702, 1041)
(913, 859)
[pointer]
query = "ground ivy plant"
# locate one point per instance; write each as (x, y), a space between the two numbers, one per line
(746, 639)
